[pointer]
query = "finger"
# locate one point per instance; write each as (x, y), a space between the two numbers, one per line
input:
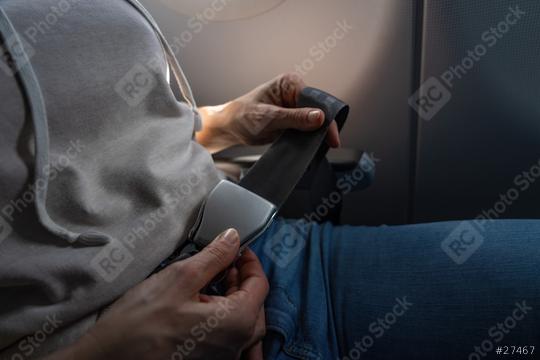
(231, 284)
(332, 138)
(200, 269)
(291, 86)
(254, 353)
(260, 328)
(253, 287)
(283, 90)
(254, 347)
(305, 119)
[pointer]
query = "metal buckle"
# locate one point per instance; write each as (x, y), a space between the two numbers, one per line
(231, 206)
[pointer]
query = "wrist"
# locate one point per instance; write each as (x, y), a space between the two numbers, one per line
(217, 130)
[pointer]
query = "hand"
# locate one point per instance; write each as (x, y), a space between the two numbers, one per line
(166, 316)
(259, 117)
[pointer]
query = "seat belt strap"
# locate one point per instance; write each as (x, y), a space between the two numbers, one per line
(281, 167)
(251, 205)
(271, 180)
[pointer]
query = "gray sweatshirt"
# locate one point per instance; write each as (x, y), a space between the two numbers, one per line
(123, 169)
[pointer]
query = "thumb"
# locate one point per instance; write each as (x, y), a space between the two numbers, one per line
(305, 119)
(214, 258)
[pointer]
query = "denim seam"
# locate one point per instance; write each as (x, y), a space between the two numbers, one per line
(294, 345)
(330, 308)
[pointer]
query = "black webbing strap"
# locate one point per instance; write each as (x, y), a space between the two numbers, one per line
(281, 167)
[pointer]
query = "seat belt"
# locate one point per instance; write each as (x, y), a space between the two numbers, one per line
(251, 205)
(279, 170)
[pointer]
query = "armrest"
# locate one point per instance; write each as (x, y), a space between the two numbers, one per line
(356, 168)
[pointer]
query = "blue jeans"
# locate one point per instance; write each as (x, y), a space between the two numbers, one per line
(451, 290)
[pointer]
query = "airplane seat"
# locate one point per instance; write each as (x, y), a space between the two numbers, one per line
(479, 153)
(360, 51)
(318, 196)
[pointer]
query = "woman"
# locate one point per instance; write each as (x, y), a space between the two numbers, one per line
(130, 188)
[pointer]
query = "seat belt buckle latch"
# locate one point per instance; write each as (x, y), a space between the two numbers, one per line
(231, 206)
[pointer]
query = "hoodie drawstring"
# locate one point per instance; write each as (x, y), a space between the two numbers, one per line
(30, 86)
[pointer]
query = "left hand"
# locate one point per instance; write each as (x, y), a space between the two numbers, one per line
(167, 317)
(260, 116)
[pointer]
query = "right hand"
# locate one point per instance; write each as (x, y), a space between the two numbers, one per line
(261, 115)
(166, 316)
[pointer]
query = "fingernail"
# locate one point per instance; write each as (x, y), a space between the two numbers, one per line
(231, 236)
(314, 116)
